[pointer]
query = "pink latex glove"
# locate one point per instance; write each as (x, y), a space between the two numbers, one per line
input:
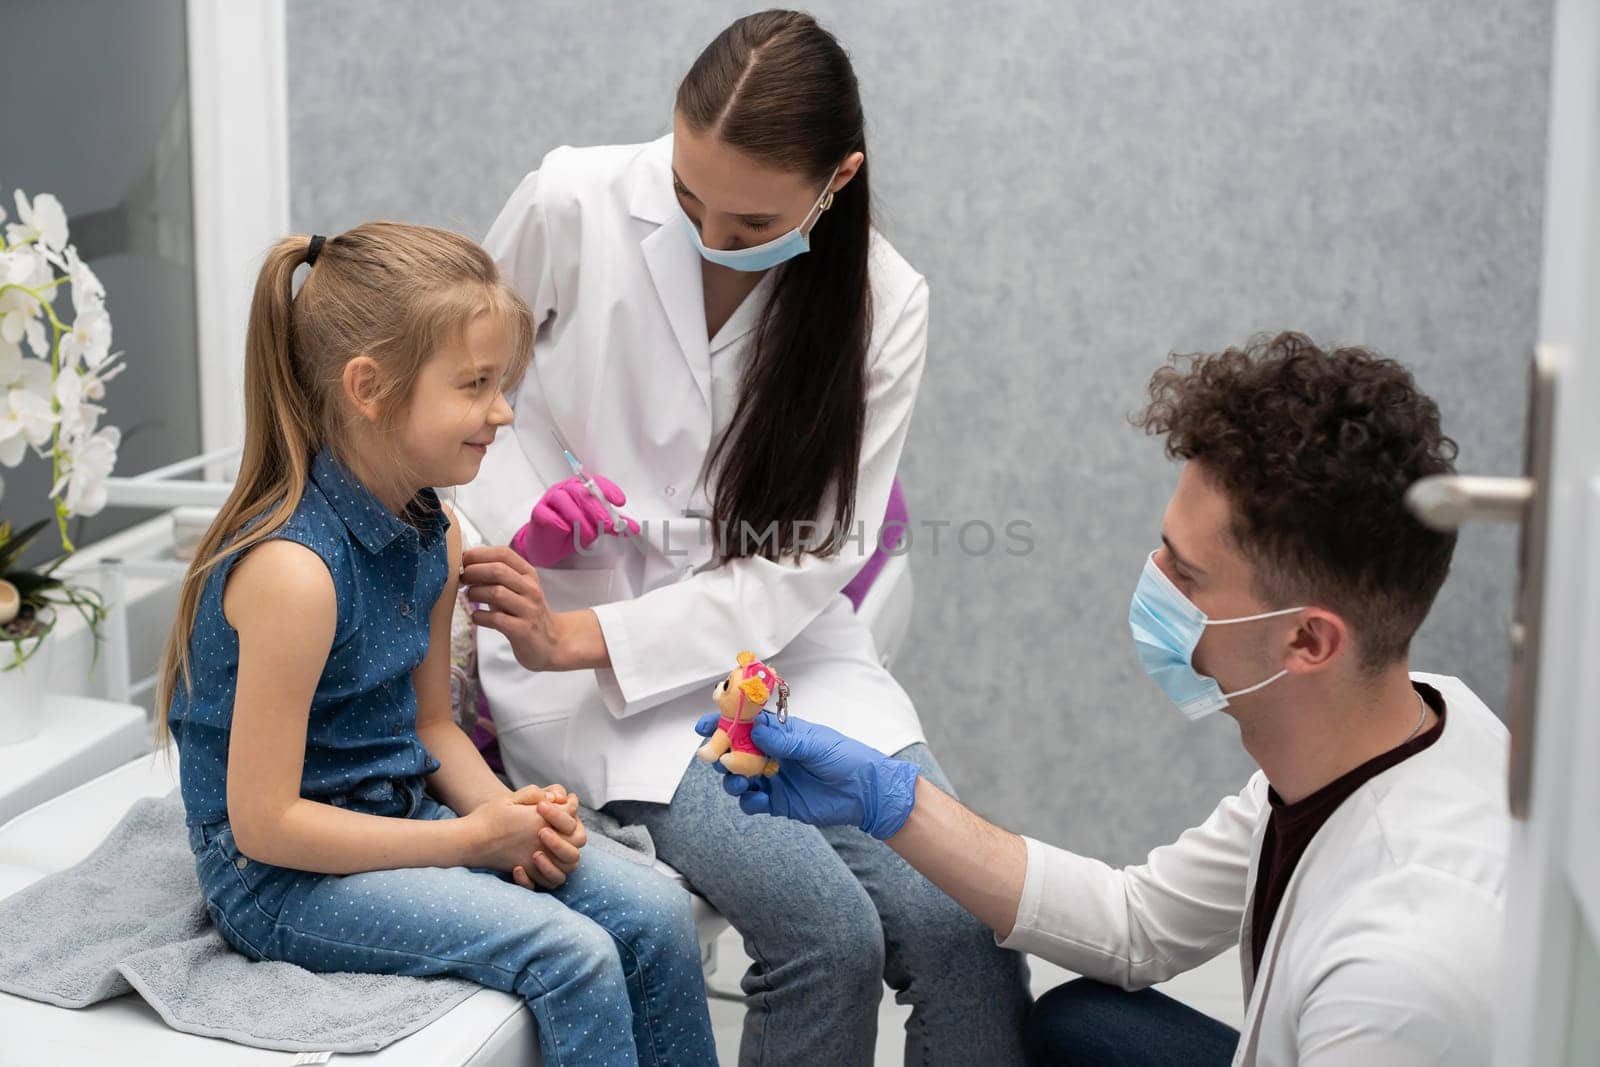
(548, 536)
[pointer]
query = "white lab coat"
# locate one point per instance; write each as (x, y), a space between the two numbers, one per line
(1385, 948)
(594, 241)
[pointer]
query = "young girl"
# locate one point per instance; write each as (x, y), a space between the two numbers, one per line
(308, 673)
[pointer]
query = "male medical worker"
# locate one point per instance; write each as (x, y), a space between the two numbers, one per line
(1361, 870)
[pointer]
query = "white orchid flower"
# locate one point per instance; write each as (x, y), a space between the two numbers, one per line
(17, 371)
(10, 364)
(87, 292)
(19, 266)
(37, 339)
(85, 423)
(30, 405)
(89, 466)
(26, 419)
(18, 306)
(44, 274)
(76, 394)
(13, 327)
(70, 393)
(17, 324)
(44, 219)
(18, 309)
(35, 377)
(52, 404)
(88, 339)
(36, 415)
(12, 444)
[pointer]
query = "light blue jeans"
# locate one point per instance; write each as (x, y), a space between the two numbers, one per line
(609, 963)
(827, 917)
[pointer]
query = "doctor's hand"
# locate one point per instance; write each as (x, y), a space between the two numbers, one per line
(825, 778)
(568, 518)
(504, 591)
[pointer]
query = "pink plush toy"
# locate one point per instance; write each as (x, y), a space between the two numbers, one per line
(740, 697)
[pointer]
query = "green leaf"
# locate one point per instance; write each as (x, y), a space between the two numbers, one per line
(16, 546)
(28, 583)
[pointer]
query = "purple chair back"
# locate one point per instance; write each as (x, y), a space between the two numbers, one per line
(892, 536)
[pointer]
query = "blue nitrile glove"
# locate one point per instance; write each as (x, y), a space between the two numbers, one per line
(825, 778)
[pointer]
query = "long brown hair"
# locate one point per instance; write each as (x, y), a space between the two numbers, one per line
(779, 88)
(387, 290)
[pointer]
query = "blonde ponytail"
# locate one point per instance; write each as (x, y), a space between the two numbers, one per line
(280, 438)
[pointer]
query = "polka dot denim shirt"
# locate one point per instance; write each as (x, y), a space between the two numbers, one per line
(362, 737)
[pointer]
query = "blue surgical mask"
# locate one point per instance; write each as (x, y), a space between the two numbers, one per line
(778, 250)
(1166, 628)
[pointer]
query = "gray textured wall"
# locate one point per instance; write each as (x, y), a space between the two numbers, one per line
(1087, 187)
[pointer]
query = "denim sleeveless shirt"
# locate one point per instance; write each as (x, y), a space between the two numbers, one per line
(361, 737)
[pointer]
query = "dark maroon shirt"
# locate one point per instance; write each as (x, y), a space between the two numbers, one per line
(1291, 827)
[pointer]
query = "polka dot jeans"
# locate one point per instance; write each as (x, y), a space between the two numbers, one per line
(609, 964)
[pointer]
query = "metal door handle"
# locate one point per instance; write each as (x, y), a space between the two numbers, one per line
(1444, 502)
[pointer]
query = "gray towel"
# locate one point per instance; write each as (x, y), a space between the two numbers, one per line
(130, 917)
(609, 835)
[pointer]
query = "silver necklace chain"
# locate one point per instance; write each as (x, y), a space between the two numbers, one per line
(1422, 715)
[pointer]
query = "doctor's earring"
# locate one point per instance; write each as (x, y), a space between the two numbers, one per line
(827, 202)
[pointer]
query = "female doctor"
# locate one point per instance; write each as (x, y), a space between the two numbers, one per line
(726, 335)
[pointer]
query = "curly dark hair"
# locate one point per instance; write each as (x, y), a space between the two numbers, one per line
(1315, 450)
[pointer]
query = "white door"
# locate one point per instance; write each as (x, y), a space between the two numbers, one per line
(1550, 1010)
